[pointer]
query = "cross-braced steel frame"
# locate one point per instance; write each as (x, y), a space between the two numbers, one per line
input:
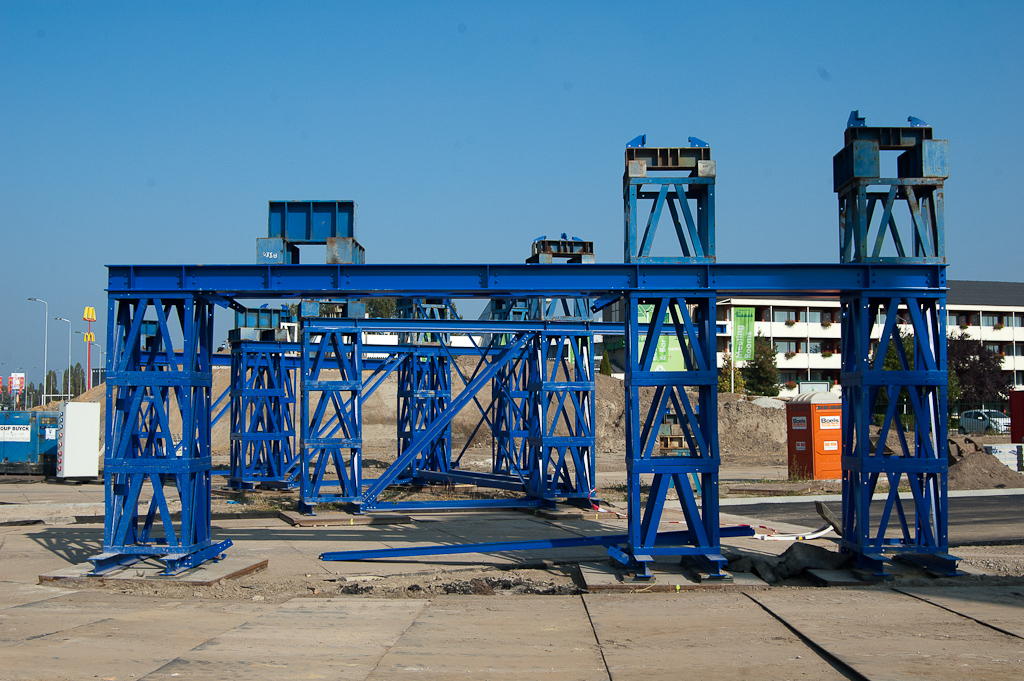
(147, 382)
(262, 407)
(331, 437)
(915, 526)
(144, 377)
(560, 440)
(424, 385)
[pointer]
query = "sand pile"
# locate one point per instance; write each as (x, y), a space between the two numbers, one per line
(978, 470)
(749, 434)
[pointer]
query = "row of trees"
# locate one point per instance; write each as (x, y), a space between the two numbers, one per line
(32, 396)
(975, 372)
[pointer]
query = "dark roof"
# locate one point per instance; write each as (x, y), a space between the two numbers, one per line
(982, 293)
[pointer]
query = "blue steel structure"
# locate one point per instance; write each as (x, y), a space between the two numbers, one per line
(262, 408)
(919, 527)
(682, 289)
(425, 385)
(262, 403)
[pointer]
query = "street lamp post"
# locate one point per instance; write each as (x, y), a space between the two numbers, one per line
(46, 339)
(61, 319)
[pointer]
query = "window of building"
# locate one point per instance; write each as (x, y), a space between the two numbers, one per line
(814, 346)
(1015, 320)
(786, 315)
(994, 347)
(990, 319)
(951, 319)
(1018, 349)
(786, 346)
(787, 376)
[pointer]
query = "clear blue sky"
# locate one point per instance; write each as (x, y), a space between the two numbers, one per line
(156, 132)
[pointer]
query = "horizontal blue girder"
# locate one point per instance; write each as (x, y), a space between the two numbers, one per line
(679, 538)
(512, 281)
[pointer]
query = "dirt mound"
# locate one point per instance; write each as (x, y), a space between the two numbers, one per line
(749, 433)
(978, 470)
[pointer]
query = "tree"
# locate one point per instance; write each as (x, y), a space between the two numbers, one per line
(892, 362)
(606, 365)
(77, 380)
(761, 374)
(978, 370)
(381, 308)
(52, 386)
(726, 381)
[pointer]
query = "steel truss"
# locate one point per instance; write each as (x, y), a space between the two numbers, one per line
(692, 396)
(262, 425)
(424, 385)
(331, 441)
(424, 391)
(919, 381)
(695, 234)
(560, 435)
(146, 383)
(922, 167)
(540, 460)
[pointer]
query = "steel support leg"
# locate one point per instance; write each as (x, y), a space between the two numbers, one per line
(262, 427)
(561, 425)
(901, 387)
(690, 317)
(331, 412)
(144, 452)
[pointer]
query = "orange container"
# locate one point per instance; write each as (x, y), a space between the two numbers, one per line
(815, 432)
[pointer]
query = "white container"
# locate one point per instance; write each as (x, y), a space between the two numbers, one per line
(78, 440)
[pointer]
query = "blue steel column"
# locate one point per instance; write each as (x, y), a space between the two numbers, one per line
(561, 425)
(142, 449)
(657, 178)
(690, 316)
(424, 391)
(262, 427)
(424, 385)
(917, 527)
(510, 398)
(331, 413)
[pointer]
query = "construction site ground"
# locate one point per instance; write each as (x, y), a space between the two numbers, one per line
(272, 610)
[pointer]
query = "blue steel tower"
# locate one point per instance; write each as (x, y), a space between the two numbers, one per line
(872, 231)
(681, 179)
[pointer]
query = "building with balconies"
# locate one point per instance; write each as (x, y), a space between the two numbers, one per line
(806, 333)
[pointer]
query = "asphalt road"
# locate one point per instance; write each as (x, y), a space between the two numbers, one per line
(972, 520)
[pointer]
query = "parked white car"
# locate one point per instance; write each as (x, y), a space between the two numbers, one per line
(981, 420)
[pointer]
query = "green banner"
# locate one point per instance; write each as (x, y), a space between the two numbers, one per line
(742, 334)
(668, 356)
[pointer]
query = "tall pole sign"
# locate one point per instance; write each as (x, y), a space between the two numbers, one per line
(89, 316)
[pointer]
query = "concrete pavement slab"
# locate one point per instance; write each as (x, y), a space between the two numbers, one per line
(887, 635)
(701, 635)
(82, 642)
(13, 594)
(1001, 607)
(301, 639)
(485, 637)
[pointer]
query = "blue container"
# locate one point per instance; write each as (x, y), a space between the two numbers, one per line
(28, 441)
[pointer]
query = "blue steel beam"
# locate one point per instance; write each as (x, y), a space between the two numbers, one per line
(517, 281)
(681, 537)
